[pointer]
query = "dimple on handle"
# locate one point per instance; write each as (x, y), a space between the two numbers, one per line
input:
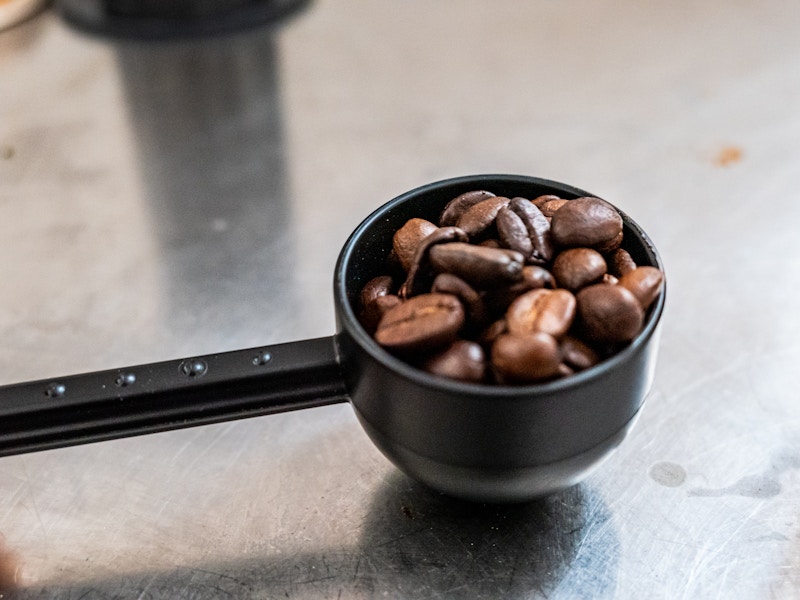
(169, 395)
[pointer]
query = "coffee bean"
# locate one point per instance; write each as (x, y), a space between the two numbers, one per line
(577, 354)
(376, 287)
(609, 313)
(643, 282)
(420, 276)
(578, 267)
(538, 228)
(423, 323)
(548, 311)
(456, 207)
(463, 360)
(447, 283)
(609, 278)
(550, 207)
(620, 262)
(526, 358)
(540, 201)
(487, 337)
(512, 231)
(478, 217)
(406, 239)
(373, 312)
(588, 222)
(534, 277)
(479, 266)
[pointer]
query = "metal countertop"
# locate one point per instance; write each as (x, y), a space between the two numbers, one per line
(168, 199)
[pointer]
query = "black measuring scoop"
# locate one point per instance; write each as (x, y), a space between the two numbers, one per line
(479, 442)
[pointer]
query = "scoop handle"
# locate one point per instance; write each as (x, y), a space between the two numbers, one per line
(169, 395)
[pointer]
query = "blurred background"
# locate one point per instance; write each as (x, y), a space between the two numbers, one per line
(178, 180)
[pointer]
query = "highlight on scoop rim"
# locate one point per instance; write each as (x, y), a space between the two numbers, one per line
(546, 389)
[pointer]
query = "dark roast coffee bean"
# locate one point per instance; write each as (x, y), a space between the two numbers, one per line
(423, 323)
(588, 222)
(512, 231)
(447, 283)
(406, 239)
(534, 277)
(548, 311)
(644, 283)
(578, 267)
(526, 358)
(456, 207)
(491, 243)
(479, 266)
(375, 288)
(620, 262)
(577, 354)
(478, 217)
(538, 228)
(420, 276)
(373, 312)
(487, 337)
(609, 313)
(463, 360)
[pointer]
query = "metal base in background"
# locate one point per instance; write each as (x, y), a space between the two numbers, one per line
(154, 19)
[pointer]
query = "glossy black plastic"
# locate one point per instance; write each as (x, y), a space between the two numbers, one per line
(479, 442)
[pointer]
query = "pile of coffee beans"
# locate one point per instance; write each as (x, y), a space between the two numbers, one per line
(510, 290)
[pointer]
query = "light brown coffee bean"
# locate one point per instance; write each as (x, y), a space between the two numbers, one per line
(550, 207)
(577, 354)
(406, 239)
(479, 266)
(420, 276)
(609, 313)
(540, 201)
(610, 279)
(548, 311)
(575, 268)
(512, 231)
(463, 360)
(588, 222)
(526, 358)
(478, 217)
(423, 323)
(643, 282)
(447, 283)
(487, 337)
(620, 262)
(456, 207)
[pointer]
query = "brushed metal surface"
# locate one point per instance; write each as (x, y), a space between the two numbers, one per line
(162, 200)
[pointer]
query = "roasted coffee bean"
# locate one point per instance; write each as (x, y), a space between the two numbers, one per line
(491, 243)
(463, 360)
(578, 267)
(620, 262)
(643, 282)
(609, 313)
(456, 207)
(548, 311)
(479, 266)
(609, 278)
(420, 276)
(534, 277)
(375, 288)
(588, 222)
(577, 354)
(538, 228)
(447, 283)
(512, 231)
(487, 337)
(423, 323)
(526, 358)
(540, 201)
(373, 312)
(478, 217)
(550, 207)
(406, 239)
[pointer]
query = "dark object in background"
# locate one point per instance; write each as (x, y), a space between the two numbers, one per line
(157, 19)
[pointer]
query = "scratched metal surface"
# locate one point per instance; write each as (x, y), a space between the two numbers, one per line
(174, 199)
